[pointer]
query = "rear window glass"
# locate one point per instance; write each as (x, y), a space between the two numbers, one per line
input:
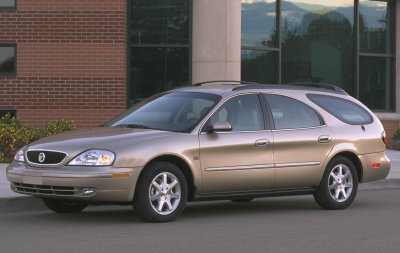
(343, 109)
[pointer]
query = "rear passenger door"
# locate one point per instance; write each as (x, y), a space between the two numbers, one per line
(302, 141)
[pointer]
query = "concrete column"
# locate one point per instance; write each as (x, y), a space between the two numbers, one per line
(216, 35)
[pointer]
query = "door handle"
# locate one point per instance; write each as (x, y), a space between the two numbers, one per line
(262, 143)
(324, 138)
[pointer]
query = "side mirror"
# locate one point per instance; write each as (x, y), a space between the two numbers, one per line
(221, 126)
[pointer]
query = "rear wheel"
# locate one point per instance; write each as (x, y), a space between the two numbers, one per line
(64, 206)
(339, 185)
(161, 193)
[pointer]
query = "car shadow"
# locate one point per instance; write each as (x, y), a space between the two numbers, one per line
(193, 211)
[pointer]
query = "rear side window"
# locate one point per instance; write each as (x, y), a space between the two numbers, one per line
(289, 113)
(343, 109)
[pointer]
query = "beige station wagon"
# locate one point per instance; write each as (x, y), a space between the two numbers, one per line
(214, 140)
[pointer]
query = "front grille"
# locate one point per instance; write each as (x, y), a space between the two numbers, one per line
(45, 157)
(44, 189)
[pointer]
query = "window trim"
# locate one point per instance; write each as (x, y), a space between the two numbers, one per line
(10, 74)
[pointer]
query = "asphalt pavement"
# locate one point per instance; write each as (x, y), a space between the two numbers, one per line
(279, 225)
(392, 180)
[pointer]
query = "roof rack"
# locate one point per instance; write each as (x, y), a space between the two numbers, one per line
(224, 82)
(296, 86)
(317, 85)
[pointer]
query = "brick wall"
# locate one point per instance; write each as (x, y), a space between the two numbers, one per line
(71, 60)
(390, 128)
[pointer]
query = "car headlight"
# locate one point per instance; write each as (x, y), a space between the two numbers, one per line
(19, 156)
(94, 157)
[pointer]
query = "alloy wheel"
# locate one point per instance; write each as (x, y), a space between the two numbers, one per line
(165, 193)
(340, 183)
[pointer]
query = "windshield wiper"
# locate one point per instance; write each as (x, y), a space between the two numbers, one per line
(134, 126)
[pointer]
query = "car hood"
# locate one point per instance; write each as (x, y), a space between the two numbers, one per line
(108, 138)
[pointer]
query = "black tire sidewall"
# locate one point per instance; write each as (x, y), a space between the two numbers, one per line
(323, 196)
(142, 203)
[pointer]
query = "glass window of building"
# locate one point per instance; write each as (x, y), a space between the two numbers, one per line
(260, 66)
(376, 54)
(159, 46)
(259, 41)
(348, 43)
(376, 21)
(318, 42)
(7, 4)
(7, 60)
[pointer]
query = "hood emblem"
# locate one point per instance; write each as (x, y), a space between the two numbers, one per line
(41, 157)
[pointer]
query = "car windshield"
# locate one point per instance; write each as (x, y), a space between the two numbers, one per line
(174, 111)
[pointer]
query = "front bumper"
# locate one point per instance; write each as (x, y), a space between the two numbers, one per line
(74, 182)
(373, 174)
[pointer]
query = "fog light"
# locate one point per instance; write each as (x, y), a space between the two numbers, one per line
(87, 192)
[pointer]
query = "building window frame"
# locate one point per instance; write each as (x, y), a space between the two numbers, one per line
(277, 47)
(131, 46)
(14, 73)
(358, 54)
(391, 56)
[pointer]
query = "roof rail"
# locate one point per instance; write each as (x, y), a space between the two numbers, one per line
(224, 82)
(317, 85)
(296, 86)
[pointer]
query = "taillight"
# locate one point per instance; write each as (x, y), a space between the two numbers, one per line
(384, 137)
(376, 165)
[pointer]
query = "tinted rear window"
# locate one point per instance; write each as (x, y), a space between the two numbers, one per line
(343, 109)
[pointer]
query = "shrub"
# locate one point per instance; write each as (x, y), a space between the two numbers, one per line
(396, 135)
(58, 126)
(14, 136)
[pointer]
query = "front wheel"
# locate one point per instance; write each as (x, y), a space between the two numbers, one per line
(339, 185)
(64, 206)
(161, 193)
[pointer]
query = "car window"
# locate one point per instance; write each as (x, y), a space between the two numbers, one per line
(289, 113)
(243, 112)
(175, 111)
(343, 109)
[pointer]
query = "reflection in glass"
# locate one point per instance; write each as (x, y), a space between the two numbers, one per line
(375, 82)
(259, 23)
(159, 21)
(259, 66)
(157, 69)
(7, 3)
(7, 60)
(317, 42)
(376, 27)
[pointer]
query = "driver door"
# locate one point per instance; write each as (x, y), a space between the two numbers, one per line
(239, 160)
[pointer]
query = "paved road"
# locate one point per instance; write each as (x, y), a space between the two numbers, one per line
(285, 224)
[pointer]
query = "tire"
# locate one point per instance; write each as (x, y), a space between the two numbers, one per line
(339, 185)
(64, 206)
(161, 193)
(242, 200)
